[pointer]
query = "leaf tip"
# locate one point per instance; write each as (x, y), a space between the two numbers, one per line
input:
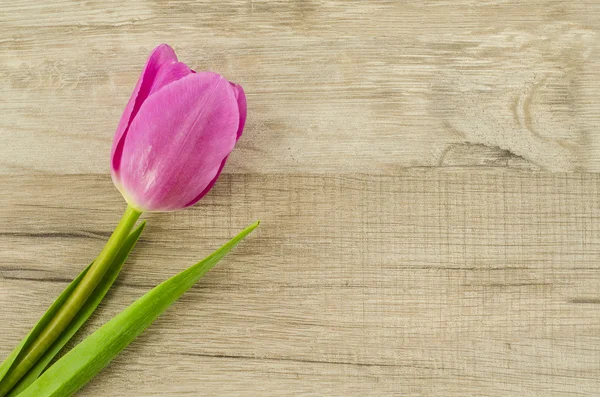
(249, 229)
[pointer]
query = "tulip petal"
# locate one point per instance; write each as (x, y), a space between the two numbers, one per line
(161, 69)
(169, 73)
(208, 187)
(177, 143)
(241, 100)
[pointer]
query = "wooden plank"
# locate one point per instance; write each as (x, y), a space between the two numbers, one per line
(406, 248)
(430, 282)
(339, 87)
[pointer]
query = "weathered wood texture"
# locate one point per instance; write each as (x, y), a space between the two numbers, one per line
(361, 86)
(397, 152)
(429, 282)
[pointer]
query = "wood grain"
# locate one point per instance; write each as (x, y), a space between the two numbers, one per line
(426, 283)
(412, 243)
(332, 86)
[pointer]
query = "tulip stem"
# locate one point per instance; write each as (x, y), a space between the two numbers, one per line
(73, 303)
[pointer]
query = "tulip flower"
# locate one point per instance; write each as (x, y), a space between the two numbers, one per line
(171, 144)
(175, 134)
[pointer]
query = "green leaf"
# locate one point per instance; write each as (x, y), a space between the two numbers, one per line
(85, 360)
(86, 311)
(30, 337)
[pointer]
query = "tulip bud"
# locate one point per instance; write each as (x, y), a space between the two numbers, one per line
(175, 134)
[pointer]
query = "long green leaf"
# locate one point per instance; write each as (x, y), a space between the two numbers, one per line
(85, 360)
(30, 337)
(84, 313)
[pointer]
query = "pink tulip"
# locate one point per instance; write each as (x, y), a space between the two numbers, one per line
(170, 146)
(175, 134)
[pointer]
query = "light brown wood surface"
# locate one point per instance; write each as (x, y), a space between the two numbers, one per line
(414, 242)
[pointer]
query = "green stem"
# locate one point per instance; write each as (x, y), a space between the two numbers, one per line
(72, 305)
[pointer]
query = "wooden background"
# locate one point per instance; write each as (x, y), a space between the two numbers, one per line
(424, 172)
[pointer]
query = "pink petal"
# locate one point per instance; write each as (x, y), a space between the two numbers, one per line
(241, 100)
(177, 143)
(167, 74)
(161, 69)
(209, 186)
